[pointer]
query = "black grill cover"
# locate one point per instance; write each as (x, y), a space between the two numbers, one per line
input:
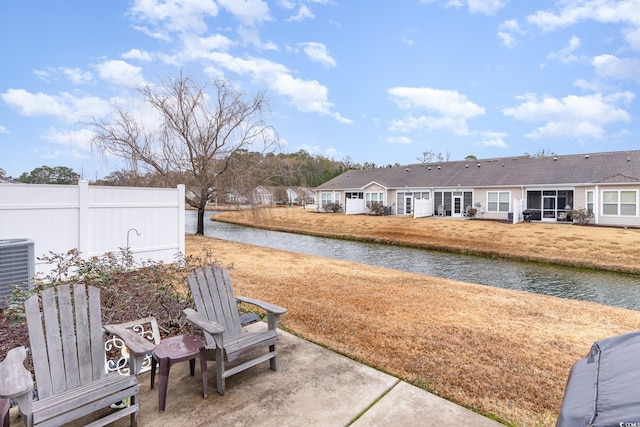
(603, 389)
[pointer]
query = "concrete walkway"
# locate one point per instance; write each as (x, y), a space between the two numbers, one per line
(312, 387)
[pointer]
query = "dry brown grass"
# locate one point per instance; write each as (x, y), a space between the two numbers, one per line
(501, 352)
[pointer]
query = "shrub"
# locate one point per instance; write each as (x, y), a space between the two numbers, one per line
(471, 212)
(128, 291)
(333, 207)
(376, 208)
(582, 216)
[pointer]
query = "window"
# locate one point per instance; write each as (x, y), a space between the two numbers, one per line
(326, 198)
(373, 197)
(590, 201)
(498, 201)
(353, 195)
(620, 203)
(628, 203)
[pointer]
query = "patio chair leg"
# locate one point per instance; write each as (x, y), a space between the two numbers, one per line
(203, 372)
(273, 363)
(134, 415)
(220, 382)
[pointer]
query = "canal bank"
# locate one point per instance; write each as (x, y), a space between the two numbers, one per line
(600, 248)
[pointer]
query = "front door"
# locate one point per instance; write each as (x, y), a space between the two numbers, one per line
(457, 206)
(548, 206)
(408, 204)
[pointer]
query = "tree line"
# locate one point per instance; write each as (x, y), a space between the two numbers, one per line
(299, 169)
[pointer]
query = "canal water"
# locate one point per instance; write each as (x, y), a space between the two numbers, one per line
(615, 289)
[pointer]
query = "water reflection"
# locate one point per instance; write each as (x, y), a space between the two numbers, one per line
(615, 289)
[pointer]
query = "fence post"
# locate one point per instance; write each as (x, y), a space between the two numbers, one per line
(181, 220)
(83, 217)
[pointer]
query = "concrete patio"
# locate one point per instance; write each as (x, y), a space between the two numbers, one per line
(312, 387)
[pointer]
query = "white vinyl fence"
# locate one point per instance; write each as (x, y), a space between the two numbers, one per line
(519, 205)
(94, 219)
(422, 208)
(354, 207)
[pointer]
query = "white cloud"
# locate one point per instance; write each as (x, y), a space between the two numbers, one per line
(303, 13)
(317, 52)
(609, 66)
(446, 102)
(565, 55)
(286, 4)
(249, 12)
(507, 39)
(139, 55)
(329, 153)
(43, 75)
(449, 110)
(512, 26)
(486, 7)
(121, 73)
(574, 11)
(3, 129)
(64, 106)
(71, 139)
(175, 15)
(195, 47)
(455, 125)
(493, 139)
(572, 116)
(77, 76)
(399, 140)
(251, 36)
(633, 38)
(304, 95)
(508, 30)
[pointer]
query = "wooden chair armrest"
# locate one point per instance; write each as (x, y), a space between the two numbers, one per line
(15, 379)
(202, 322)
(270, 308)
(134, 342)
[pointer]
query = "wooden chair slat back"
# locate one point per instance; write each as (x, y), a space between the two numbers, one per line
(69, 342)
(97, 334)
(83, 334)
(214, 298)
(38, 347)
(68, 348)
(233, 327)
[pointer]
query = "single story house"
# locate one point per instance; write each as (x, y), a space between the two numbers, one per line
(549, 188)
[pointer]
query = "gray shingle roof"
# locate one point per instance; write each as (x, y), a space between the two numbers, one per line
(612, 167)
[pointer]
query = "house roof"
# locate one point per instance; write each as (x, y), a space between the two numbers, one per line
(612, 167)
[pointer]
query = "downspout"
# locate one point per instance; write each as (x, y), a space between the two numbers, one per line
(432, 196)
(596, 205)
(523, 204)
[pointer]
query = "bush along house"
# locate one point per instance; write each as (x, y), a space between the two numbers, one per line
(596, 188)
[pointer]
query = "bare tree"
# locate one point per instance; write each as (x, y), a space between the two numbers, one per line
(427, 157)
(198, 134)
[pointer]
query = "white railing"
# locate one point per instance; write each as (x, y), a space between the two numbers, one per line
(95, 220)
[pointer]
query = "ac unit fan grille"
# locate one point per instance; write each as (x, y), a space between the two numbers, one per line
(17, 265)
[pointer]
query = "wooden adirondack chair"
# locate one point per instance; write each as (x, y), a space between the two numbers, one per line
(67, 348)
(217, 315)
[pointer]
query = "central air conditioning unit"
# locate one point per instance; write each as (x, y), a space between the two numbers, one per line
(17, 266)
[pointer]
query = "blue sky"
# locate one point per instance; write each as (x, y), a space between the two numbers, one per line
(379, 82)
